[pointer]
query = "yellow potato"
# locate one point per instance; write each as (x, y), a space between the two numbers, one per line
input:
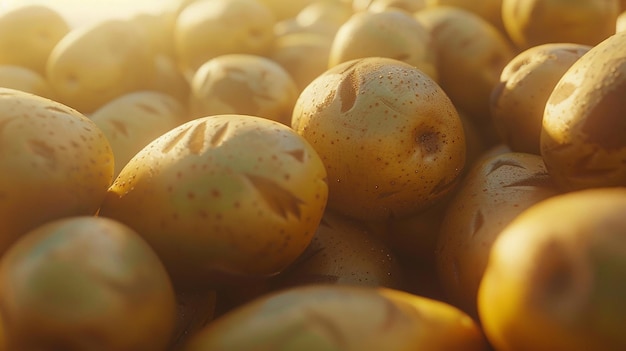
(223, 198)
(519, 100)
(208, 28)
(489, 10)
(56, 163)
(28, 34)
(132, 121)
(409, 6)
(391, 33)
(243, 84)
(533, 22)
(286, 9)
(582, 139)
(85, 283)
(390, 138)
(97, 63)
(493, 193)
(320, 17)
(25, 79)
(471, 54)
(555, 276)
(347, 318)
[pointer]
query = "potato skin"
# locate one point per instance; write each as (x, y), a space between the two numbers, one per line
(223, 198)
(390, 138)
(582, 139)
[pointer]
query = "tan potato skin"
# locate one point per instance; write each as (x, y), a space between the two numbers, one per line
(348, 318)
(494, 192)
(519, 100)
(582, 139)
(554, 280)
(391, 140)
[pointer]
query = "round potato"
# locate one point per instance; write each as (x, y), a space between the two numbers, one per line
(392, 142)
(347, 318)
(526, 82)
(489, 10)
(319, 17)
(243, 84)
(555, 277)
(94, 64)
(132, 121)
(410, 6)
(56, 163)
(28, 34)
(582, 139)
(391, 33)
(26, 80)
(534, 22)
(209, 28)
(85, 283)
(471, 54)
(494, 192)
(223, 199)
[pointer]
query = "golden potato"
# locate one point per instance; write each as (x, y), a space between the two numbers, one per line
(208, 28)
(489, 10)
(582, 139)
(392, 33)
(223, 198)
(533, 22)
(28, 34)
(320, 17)
(409, 6)
(494, 192)
(94, 64)
(471, 54)
(518, 101)
(243, 84)
(132, 121)
(390, 138)
(555, 276)
(26, 80)
(85, 283)
(347, 318)
(56, 163)
(282, 9)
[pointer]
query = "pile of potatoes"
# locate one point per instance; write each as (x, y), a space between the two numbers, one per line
(315, 175)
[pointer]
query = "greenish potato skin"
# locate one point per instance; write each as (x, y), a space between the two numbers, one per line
(390, 138)
(347, 318)
(85, 283)
(58, 163)
(582, 139)
(223, 198)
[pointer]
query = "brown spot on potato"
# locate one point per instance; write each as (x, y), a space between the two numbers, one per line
(196, 140)
(175, 140)
(540, 180)
(281, 201)
(44, 150)
(147, 108)
(119, 126)
(347, 91)
(429, 141)
(504, 163)
(561, 93)
(219, 135)
(605, 124)
(298, 154)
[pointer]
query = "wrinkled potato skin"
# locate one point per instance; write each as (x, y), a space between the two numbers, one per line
(582, 140)
(493, 193)
(558, 284)
(391, 140)
(526, 82)
(534, 22)
(348, 318)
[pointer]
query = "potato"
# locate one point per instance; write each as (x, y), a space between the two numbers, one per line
(489, 10)
(555, 277)
(347, 318)
(392, 33)
(344, 251)
(391, 140)
(526, 82)
(223, 199)
(534, 22)
(28, 34)
(85, 283)
(169, 79)
(409, 6)
(286, 9)
(471, 55)
(132, 121)
(26, 80)
(94, 64)
(243, 84)
(494, 192)
(209, 28)
(620, 24)
(57, 163)
(582, 139)
(303, 55)
(320, 17)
